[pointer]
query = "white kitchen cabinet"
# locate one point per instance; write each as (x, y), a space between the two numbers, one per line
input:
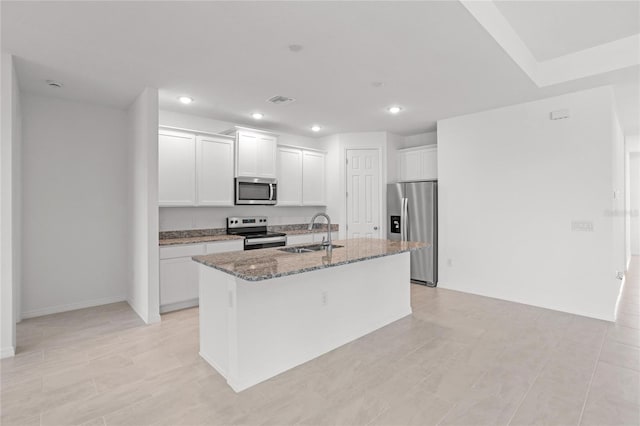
(178, 284)
(255, 154)
(309, 238)
(313, 178)
(301, 177)
(224, 246)
(176, 168)
(289, 176)
(179, 273)
(417, 163)
(214, 170)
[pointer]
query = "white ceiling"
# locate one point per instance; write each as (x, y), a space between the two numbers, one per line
(556, 28)
(434, 58)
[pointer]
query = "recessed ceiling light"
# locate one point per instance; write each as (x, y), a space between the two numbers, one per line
(394, 109)
(54, 83)
(185, 100)
(257, 115)
(315, 128)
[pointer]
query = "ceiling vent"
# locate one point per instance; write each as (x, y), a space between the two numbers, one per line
(280, 100)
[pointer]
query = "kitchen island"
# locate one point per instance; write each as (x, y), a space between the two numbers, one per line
(263, 312)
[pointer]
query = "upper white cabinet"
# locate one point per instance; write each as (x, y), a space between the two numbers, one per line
(215, 171)
(255, 154)
(301, 177)
(194, 169)
(176, 168)
(289, 176)
(418, 163)
(313, 178)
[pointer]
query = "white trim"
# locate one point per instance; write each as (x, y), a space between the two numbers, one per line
(7, 352)
(169, 129)
(215, 367)
(302, 148)
(431, 147)
(582, 313)
(600, 59)
(72, 306)
(170, 307)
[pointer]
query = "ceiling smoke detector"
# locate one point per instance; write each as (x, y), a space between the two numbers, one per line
(280, 100)
(54, 83)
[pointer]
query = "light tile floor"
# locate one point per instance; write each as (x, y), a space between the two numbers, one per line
(458, 360)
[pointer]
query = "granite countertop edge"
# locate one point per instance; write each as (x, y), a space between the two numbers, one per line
(255, 278)
(201, 239)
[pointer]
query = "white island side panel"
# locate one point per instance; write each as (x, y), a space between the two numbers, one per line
(277, 324)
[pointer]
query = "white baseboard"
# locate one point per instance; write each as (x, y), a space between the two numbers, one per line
(133, 307)
(71, 306)
(610, 318)
(169, 307)
(7, 352)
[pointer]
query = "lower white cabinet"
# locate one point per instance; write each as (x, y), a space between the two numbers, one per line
(179, 273)
(309, 238)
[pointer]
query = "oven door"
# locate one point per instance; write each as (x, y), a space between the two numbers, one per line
(266, 242)
(256, 191)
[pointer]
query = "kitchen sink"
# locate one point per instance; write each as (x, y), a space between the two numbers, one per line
(308, 248)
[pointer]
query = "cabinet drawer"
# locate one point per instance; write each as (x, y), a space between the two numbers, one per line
(222, 246)
(186, 250)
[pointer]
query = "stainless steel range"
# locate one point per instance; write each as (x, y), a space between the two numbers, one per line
(254, 231)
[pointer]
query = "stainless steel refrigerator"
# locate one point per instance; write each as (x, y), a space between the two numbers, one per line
(412, 214)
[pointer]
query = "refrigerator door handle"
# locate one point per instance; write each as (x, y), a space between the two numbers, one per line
(403, 219)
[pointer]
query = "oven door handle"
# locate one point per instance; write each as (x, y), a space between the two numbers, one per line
(256, 241)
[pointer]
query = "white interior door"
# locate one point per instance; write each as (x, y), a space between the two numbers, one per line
(363, 193)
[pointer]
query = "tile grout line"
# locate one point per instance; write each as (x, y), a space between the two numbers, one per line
(535, 380)
(593, 374)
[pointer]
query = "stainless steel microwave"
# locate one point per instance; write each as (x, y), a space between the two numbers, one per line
(256, 191)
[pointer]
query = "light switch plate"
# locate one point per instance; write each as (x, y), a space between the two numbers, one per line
(581, 226)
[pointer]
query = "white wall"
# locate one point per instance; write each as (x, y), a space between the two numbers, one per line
(10, 205)
(394, 143)
(511, 182)
(634, 187)
(75, 197)
(420, 139)
(179, 218)
(143, 292)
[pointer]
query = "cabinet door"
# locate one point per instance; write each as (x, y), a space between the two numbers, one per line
(178, 282)
(215, 171)
(409, 165)
(247, 154)
(224, 246)
(176, 169)
(313, 178)
(429, 163)
(289, 177)
(266, 156)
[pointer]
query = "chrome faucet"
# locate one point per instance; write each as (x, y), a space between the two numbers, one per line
(326, 243)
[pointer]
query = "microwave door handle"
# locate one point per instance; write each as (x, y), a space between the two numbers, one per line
(270, 192)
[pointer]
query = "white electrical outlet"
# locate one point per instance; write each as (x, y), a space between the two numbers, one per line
(325, 298)
(449, 262)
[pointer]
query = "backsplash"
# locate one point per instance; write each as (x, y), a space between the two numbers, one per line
(185, 218)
